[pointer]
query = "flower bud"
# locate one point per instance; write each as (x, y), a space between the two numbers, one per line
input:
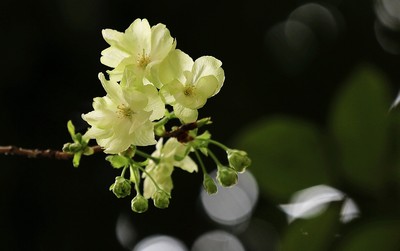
(139, 204)
(121, 187)
(161, 199)
(209, 184)
(72, 147)
(227, 176)
(239, 160)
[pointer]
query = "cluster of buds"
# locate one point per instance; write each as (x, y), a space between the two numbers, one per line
(150, 83)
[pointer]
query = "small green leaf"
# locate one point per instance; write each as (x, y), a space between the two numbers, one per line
(76, 159)
(71, 129)
(118, 161)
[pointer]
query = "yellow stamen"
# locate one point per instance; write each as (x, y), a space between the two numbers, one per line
(143, 60)
(124, 112)
(189, 90)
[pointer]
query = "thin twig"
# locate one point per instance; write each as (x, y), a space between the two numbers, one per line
(37, 153)
(181, 133)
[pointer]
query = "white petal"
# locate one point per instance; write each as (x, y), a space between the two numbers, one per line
(172, 67)
(113, 89)
(138, 34)
(112, 37)
(144, 135)
(205, 66)
(161, 42)
(187, 164)
(186, 115)
(155, 103)
(112, 56)
(206, 87)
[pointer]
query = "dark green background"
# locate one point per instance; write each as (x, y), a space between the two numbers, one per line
(50, 54)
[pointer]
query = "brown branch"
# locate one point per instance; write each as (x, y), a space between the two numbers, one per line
(37, 153)
(182, 132)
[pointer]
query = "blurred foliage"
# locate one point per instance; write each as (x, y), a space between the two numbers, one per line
(357, 153)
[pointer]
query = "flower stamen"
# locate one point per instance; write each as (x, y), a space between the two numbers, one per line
(189, 90)
(143, 60)
(124, 111)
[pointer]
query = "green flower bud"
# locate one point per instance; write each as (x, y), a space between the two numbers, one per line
(209, 184)
(121, 187)
(227, 176)
(239, 160)
(161, 199)
(139, 204)
(72, 147)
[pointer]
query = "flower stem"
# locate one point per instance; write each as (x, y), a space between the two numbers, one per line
(219, 165)
(203, 168)
(224, 147)
(147, 156)
(149, 175)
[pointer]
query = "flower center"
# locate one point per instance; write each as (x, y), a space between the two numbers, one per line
(143, 60)
(189, 90)
(124, 111)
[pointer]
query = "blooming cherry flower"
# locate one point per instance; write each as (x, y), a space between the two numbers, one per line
(170, 154)
(190, 91)
(139, 48)
(120, 118)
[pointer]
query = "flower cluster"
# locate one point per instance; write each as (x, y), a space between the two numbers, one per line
(150, 83)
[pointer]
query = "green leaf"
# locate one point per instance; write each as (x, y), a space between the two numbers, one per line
(359, 127)
(118, 161)
(314, 234)
(287, 156)
(375, 235)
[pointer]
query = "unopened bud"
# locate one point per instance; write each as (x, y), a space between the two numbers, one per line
(72, 147)
(161, 199)
(209, 184)
(121, 187)
(203, 121)
(239, 160)
(227, 176)
(139, 204)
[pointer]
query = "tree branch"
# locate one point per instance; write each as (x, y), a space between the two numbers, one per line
(37, 153)
(181, 133)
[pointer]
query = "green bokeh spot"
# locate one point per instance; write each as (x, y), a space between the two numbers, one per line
(287, 156)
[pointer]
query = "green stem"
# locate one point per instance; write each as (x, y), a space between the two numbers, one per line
(147, 156)
(167, 117)
(137, 178)
(151, 178)
(203, 168)
(224, 147)
(123, 171)
(219, 165)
